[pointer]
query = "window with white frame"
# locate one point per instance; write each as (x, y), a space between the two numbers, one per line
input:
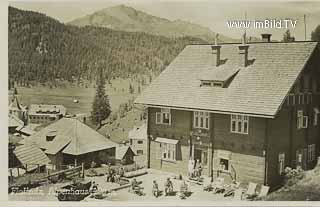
(291, 99)
(239, 123)
(168, 151)
(311, 152)
(316, 116)
(302, 121)
(163, 117)
(201, 119)
(281, 163)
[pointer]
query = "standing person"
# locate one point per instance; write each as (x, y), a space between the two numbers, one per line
(155, 189)
(200, 169)
(168, 187)
(196, 168)
(190, 168)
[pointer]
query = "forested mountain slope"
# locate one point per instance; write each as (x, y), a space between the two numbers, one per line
(42, 49)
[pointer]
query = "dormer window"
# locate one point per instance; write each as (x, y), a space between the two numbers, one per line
(212, 83)
(217, 84)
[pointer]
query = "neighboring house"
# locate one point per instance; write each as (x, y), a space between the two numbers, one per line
(17, 109)
(43, 113)
(247, 110)
(12, 143)
(69, 141)
(15, 124)
(138, 139)
(29, 156)
(124, 155)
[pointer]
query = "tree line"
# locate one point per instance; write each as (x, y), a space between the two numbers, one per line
(42, 49)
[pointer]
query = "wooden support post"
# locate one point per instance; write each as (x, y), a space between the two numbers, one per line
(11, 176)
(18, 171)
(82, 169)
(38, 168)
(26, 168)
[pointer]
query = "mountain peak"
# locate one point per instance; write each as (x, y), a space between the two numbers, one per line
(125, 18)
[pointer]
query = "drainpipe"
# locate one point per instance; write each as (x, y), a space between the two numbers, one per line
(212, 146)
(148, 138)
(291, 135)
(266, 154)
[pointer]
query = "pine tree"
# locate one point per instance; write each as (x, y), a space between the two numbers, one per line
(131, 89)
(15, 91)
(100, 108)
(315, 35)
(287, 37)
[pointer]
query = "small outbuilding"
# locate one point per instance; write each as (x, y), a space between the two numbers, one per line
(124, 155)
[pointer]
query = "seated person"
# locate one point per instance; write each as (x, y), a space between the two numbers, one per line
(93, 187)
(135, 184)
(168, 186)
(121, 171)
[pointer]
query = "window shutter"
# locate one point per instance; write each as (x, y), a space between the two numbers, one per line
(158, 118)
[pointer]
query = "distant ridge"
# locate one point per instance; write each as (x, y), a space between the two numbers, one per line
(128, 19)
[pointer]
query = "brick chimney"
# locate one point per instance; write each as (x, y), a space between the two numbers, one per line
(216, 50)
(266, 37)
(243, 51)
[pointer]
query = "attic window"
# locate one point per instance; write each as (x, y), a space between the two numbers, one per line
(217, 84)
(212, 83)
(51, 135)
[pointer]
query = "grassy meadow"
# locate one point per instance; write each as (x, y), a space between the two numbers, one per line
(118, 92)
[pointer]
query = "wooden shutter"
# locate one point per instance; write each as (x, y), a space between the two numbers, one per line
(158, 118)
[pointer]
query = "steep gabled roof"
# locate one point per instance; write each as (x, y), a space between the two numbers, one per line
(31, 155)
(72, 137)
(14, 121)
(258, 89)
(121, 151)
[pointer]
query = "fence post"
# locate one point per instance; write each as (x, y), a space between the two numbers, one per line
(11, 176)
(82, 169)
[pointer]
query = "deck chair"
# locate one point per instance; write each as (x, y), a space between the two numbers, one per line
(251, 192)
(264, 191)
(238, 195)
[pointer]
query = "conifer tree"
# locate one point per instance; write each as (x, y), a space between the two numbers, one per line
(100, 108)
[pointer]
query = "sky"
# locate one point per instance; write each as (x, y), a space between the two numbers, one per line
(211, 14)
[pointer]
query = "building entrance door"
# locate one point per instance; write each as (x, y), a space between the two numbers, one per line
(197, 155)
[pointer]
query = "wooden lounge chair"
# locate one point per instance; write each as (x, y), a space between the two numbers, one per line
(264, 191)
(238, 194)
(251, 191)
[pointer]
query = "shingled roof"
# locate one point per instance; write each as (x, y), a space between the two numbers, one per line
(258, 89)
(31, 155)
(72, 137)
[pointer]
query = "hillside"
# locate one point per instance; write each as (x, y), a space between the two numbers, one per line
(126, 18)
(41, 49)
(305, 189)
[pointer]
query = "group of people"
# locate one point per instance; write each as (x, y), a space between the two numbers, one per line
(168, 188)
(194, 168)
(113, 175)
